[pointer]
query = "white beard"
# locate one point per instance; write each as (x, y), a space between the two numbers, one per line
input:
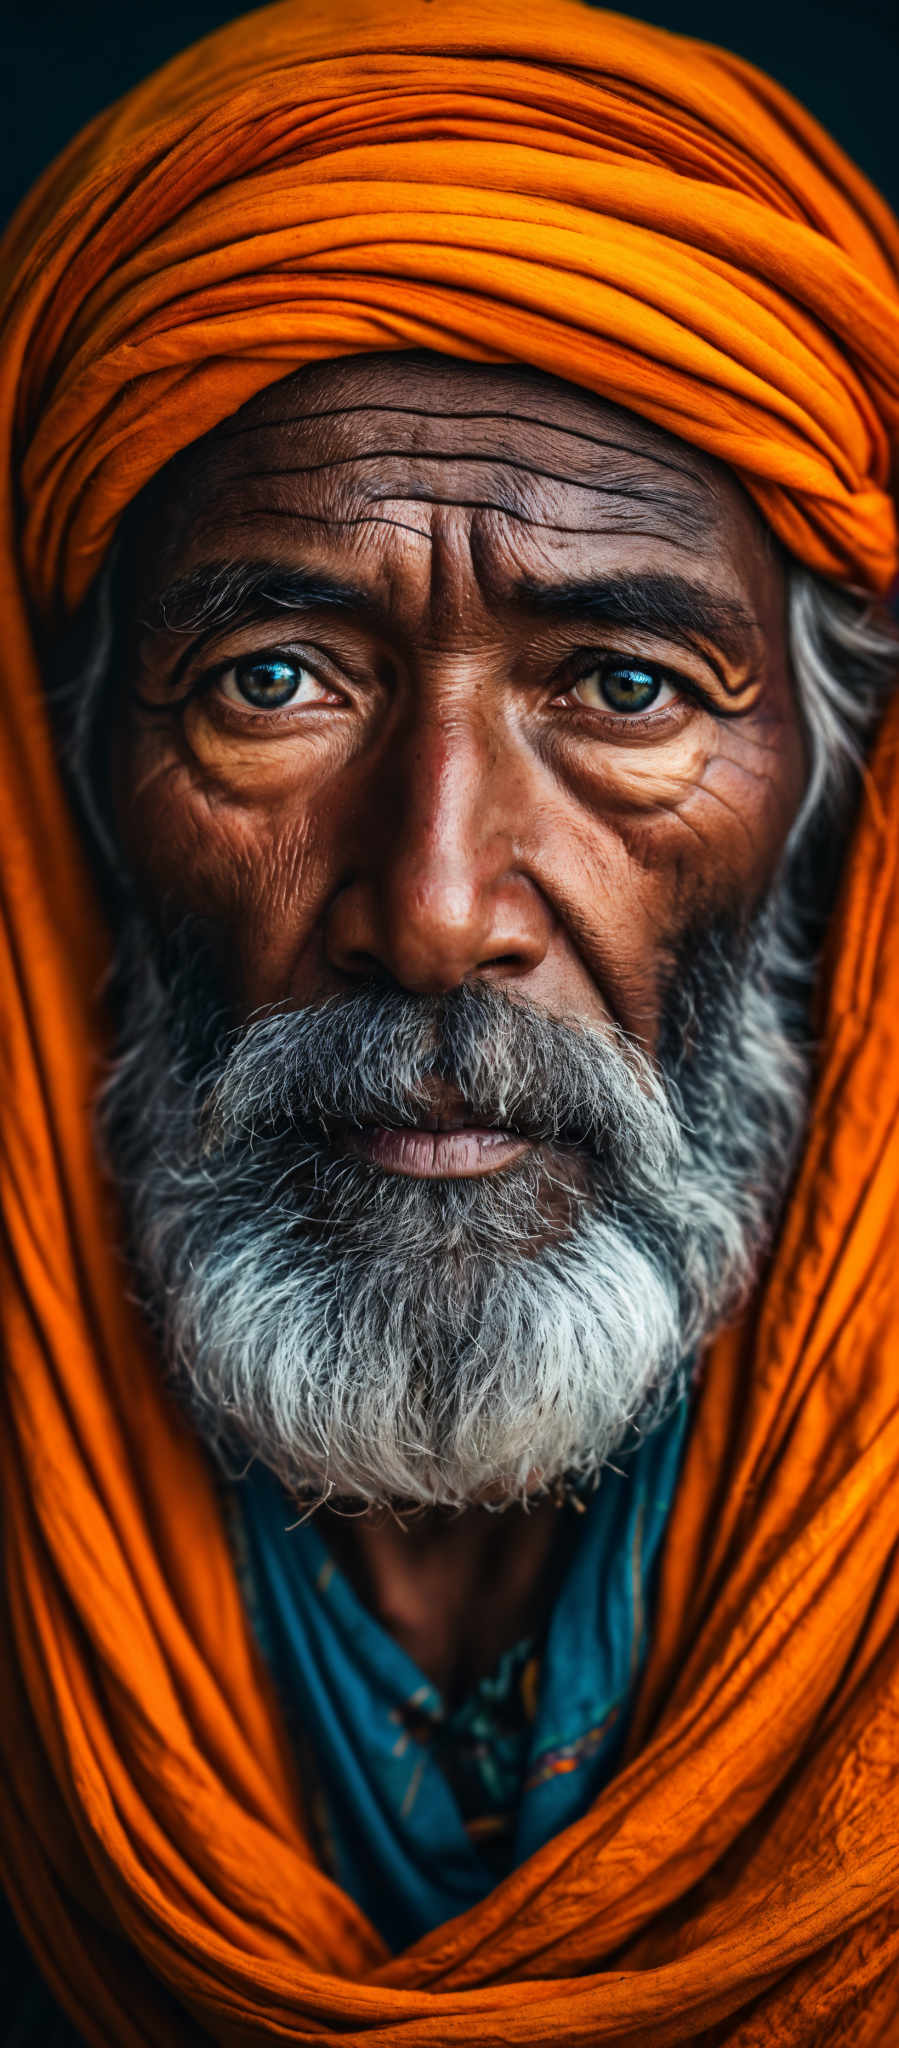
(393, 1340)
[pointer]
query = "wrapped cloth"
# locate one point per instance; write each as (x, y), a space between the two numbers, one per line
(656, 221)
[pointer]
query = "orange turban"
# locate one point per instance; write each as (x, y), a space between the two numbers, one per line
(651, 219)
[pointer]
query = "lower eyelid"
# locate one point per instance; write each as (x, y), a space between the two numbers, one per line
(613, 727)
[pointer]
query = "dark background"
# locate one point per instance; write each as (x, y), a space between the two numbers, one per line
(62, 60)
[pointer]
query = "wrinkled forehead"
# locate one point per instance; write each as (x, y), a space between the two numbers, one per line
(350, 454)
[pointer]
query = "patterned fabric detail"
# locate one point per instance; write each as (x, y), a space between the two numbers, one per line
(482, 1748)
(571, 1755)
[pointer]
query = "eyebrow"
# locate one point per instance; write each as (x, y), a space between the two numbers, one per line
(651, 602)
(218, 593)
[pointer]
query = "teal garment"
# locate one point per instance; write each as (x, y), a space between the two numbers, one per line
(375, 1733)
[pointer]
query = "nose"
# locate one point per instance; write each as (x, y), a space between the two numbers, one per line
(436, 895)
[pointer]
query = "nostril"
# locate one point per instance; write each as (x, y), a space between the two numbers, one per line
(505, 964)
(357, 961)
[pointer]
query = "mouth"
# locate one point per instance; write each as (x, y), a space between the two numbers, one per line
(426, 1154)
(449, 1142)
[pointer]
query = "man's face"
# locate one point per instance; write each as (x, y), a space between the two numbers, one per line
(454, 754)
(516, 706)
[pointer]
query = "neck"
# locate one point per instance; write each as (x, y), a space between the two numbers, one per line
(455, 1590)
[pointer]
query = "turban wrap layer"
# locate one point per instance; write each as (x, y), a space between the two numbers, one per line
(644, 216)
(653, 220)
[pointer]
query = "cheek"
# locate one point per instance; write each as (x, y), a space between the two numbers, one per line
(260, 871)
(712, 808)
(741, 808)
(647, 842)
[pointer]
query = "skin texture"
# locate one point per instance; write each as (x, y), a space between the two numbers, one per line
(452, 794)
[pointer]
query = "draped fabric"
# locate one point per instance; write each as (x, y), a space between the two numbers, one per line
(655, 221)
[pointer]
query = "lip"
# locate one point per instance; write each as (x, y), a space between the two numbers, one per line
(464, 1153)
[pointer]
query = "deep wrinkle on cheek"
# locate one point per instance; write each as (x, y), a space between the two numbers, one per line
(266, 765)
(702, 831)
(618, 779)
(182, 841)
(281, 881)
(739, 820)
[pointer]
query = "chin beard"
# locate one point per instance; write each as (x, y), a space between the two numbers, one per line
(392, 1340)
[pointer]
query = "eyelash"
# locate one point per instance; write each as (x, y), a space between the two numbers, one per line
(204, 683)
(603, 662)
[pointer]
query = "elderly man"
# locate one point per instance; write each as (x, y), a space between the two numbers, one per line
(450, 1309)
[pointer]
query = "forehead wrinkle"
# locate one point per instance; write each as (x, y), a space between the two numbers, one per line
(626, 519)
(637, 448)
(250, 515)
(632, 474)
(528, 468)
(621, 481)
(515, 488)
(505, 575)
(627, 523)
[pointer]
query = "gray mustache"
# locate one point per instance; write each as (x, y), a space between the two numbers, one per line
(374, 1056)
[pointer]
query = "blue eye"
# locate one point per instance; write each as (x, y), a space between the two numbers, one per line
(268, 682)
(623, 686)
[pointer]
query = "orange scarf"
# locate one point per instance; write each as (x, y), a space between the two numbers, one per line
(654, 220)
